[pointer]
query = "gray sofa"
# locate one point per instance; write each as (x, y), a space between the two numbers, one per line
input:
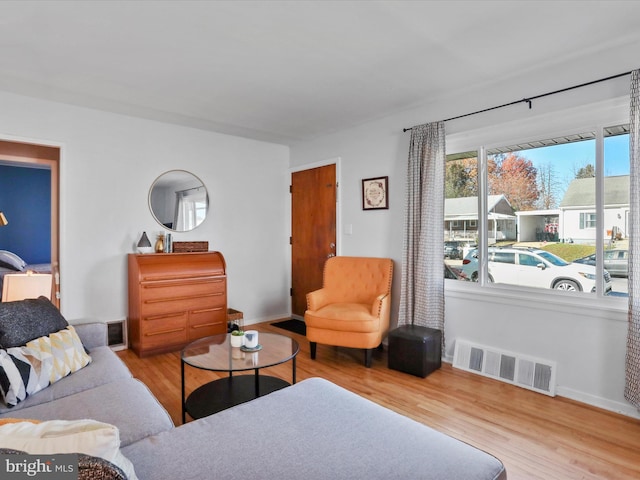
(311, 430)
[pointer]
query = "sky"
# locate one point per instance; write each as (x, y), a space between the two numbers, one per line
(568, 158)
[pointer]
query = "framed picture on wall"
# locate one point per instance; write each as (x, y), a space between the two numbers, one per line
(375, 193)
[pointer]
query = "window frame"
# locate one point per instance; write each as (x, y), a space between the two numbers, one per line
(585, 224)
(588, 117)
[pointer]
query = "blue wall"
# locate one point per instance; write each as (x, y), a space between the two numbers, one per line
(25, 199)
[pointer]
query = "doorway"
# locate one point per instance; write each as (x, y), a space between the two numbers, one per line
(21, 154)
(313, 230)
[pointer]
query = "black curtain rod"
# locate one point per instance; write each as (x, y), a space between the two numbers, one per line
(531, 99)
(189, 189)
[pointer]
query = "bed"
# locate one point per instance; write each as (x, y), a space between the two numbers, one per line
(12, 263)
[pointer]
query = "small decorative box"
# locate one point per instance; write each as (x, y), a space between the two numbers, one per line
(181, 247)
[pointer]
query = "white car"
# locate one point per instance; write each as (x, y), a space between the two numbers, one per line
(535, 268)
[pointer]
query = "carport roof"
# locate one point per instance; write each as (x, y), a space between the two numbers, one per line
(492, 216)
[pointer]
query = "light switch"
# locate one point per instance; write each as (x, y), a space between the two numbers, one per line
(348, 229)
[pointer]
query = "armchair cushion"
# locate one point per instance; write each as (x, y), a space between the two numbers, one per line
(348, 317)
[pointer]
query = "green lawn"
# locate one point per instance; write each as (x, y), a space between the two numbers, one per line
(567, 251)
(570, 251)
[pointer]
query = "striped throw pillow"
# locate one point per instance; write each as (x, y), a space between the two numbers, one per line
(28, 369)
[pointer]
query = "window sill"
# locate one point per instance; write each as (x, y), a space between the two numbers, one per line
(548, 300)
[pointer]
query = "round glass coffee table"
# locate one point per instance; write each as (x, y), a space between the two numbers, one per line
(216, 354)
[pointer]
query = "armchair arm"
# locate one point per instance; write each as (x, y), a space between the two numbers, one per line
(379, 303)
(317, 299)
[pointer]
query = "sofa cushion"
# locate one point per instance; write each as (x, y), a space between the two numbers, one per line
(127, 404)
(313, 430)
(105, 367)
(25, 320)
(61, 436)
(41, 362)
(92, 334)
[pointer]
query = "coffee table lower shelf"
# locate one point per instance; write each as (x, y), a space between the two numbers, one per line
(227, 392)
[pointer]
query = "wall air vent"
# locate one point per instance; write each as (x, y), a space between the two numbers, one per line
(521, 370)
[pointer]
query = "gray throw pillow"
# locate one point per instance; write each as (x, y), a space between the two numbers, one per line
(25, 320)
(11, 260)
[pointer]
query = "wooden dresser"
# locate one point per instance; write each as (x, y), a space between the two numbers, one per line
(175, 298)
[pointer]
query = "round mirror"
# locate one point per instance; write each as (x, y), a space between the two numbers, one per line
(178, 200)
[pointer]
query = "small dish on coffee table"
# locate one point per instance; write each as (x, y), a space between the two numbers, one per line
(250, 349)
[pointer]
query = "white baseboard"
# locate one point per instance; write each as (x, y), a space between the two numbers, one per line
(622, 408)
(270, 318)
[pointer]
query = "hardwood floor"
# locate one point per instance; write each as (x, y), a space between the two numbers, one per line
(535, 436)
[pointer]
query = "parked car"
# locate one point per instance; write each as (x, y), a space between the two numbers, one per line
(534, 268)
(453, 250)
(616, 262)
(454, 273)
(470, 265)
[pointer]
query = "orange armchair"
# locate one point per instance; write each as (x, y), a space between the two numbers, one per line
(353, 306)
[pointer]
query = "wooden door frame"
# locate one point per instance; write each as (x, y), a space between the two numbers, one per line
(14, 150)
(309, 166)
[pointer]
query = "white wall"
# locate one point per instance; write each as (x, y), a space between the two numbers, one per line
(570, 223)
(108, 165)
(586, 340)
(110, 161)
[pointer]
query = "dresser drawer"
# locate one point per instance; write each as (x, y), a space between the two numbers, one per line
(207, 321)
(164, 329)
(156, 301)
(183, 288)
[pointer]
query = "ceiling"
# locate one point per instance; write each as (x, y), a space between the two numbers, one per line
(288, 72)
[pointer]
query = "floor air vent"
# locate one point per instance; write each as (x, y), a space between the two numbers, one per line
(527, 372)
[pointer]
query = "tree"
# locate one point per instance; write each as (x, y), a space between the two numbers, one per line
(548, 187)
(461, 178)
(516, 178)
(508, 174)
(588, 171)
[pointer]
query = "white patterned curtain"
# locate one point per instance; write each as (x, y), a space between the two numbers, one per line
(422, 290)
(632, 367)
(188, 204)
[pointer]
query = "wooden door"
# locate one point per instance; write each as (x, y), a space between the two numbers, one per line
(313, 230)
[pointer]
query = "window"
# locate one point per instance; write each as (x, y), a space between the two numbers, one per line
(503, 257)
(587, 220)
(616, 207)
(191, 209)
(461, 212)
(527, 260)
(556, 211)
